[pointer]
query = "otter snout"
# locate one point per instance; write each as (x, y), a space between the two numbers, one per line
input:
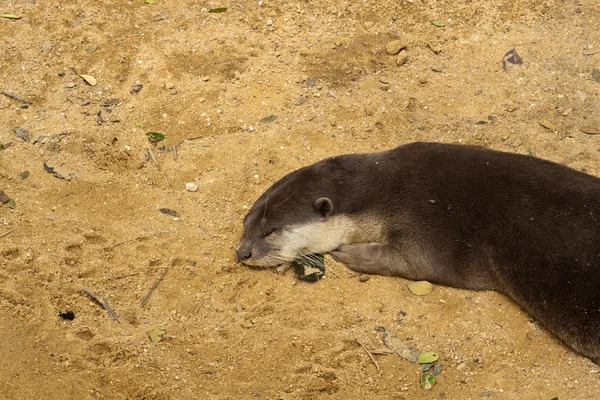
(243, 252)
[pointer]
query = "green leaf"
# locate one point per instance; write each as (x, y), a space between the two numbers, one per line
(2, 147)
(149, 1)
(427, 381)
(10, 203)
(155, 137)
(10, 16)
(218, 10)
(439, 24)
(138, 124)
(420, 288)
(156, 334)
(428, 357)
(310, 268)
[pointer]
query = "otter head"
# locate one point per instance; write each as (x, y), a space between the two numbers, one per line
(293, 219)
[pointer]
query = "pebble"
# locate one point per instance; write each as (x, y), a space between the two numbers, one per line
(364, 277)
(310, 82)
(191, 187)
(437, 68)
(402, 58)
(299, 100)
(3, 197)
(395, 46)
(47, 46)
(461, 366)
(269, 22)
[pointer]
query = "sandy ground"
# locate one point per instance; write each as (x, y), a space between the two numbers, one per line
(320, 72)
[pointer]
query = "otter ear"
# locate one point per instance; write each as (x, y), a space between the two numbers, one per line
(323, 206)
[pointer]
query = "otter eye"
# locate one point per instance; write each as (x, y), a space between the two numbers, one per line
(268, 233)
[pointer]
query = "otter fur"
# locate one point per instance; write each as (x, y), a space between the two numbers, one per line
(456, 215)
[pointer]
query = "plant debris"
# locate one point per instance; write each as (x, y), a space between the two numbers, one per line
(89, 79)
(153, 288)
(311, 268)
(10, 16)
(218, 10)
(168, 211)
(590, 130)
(420, 288)
(428, 357)
(59, 172)
(511, 57)
(136, 88)
(155, 137)
(596, 75)
(427, 380)
(269, 118)
(15, 97)
(398, 346)
(439, 24)
(22, 134)
(102, 302)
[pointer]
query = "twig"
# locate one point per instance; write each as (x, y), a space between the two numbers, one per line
(154, 159)
(189, 321)
(15, 97)
(112, 246)
(153, 288)
(123, 276)
(175, 153)
(368, 352)
(102, 302)
(7, 233)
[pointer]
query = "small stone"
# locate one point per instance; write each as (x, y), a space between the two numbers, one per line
(169, 86)
(47, 46)
(136, 88)
(310, 82)
(3, 197)
(202, 100)
(70, 85)
(364, 277)
(299, 100)
(269, 22)
(402, 58)
(437, 68)
(461, 366)
(423, 80)
(191, 187)
(395, 46)
(110, 102)
(24, 175)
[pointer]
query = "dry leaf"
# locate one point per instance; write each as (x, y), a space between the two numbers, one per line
(590, 130)
(420, 288)
(10, 16)
(89, 79)
(548, 125)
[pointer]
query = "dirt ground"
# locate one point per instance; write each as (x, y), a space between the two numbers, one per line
(243, 97)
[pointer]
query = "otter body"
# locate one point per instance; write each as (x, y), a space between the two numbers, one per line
(456, 215)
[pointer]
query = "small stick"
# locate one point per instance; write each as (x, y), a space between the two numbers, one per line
(102, 302)
(133, 240)
(154, 159)
(189, 321)
(175, 153)
(368, 352)
(15, 97)
(7, 233)
(124, 276)
(153, 288)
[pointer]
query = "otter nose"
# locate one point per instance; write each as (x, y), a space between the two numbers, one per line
(243, 255)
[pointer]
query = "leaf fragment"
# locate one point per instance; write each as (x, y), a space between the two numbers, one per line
(596, 75)
(310, 268)
(155, 136)
(10, 16)
(149, 1)
(218, 10)
(511, 57)
(427, 381)
(439, 24)
(156, 334)
(420, 288)
(548, 125)
(89, 79)
(10, 203)
(590, 130)
(428, 357)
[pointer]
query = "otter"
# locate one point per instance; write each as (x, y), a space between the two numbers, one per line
(456, 215)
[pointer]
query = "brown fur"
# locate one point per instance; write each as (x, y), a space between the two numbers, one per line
(460, 216)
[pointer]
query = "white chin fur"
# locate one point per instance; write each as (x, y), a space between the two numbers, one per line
(315, 237)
